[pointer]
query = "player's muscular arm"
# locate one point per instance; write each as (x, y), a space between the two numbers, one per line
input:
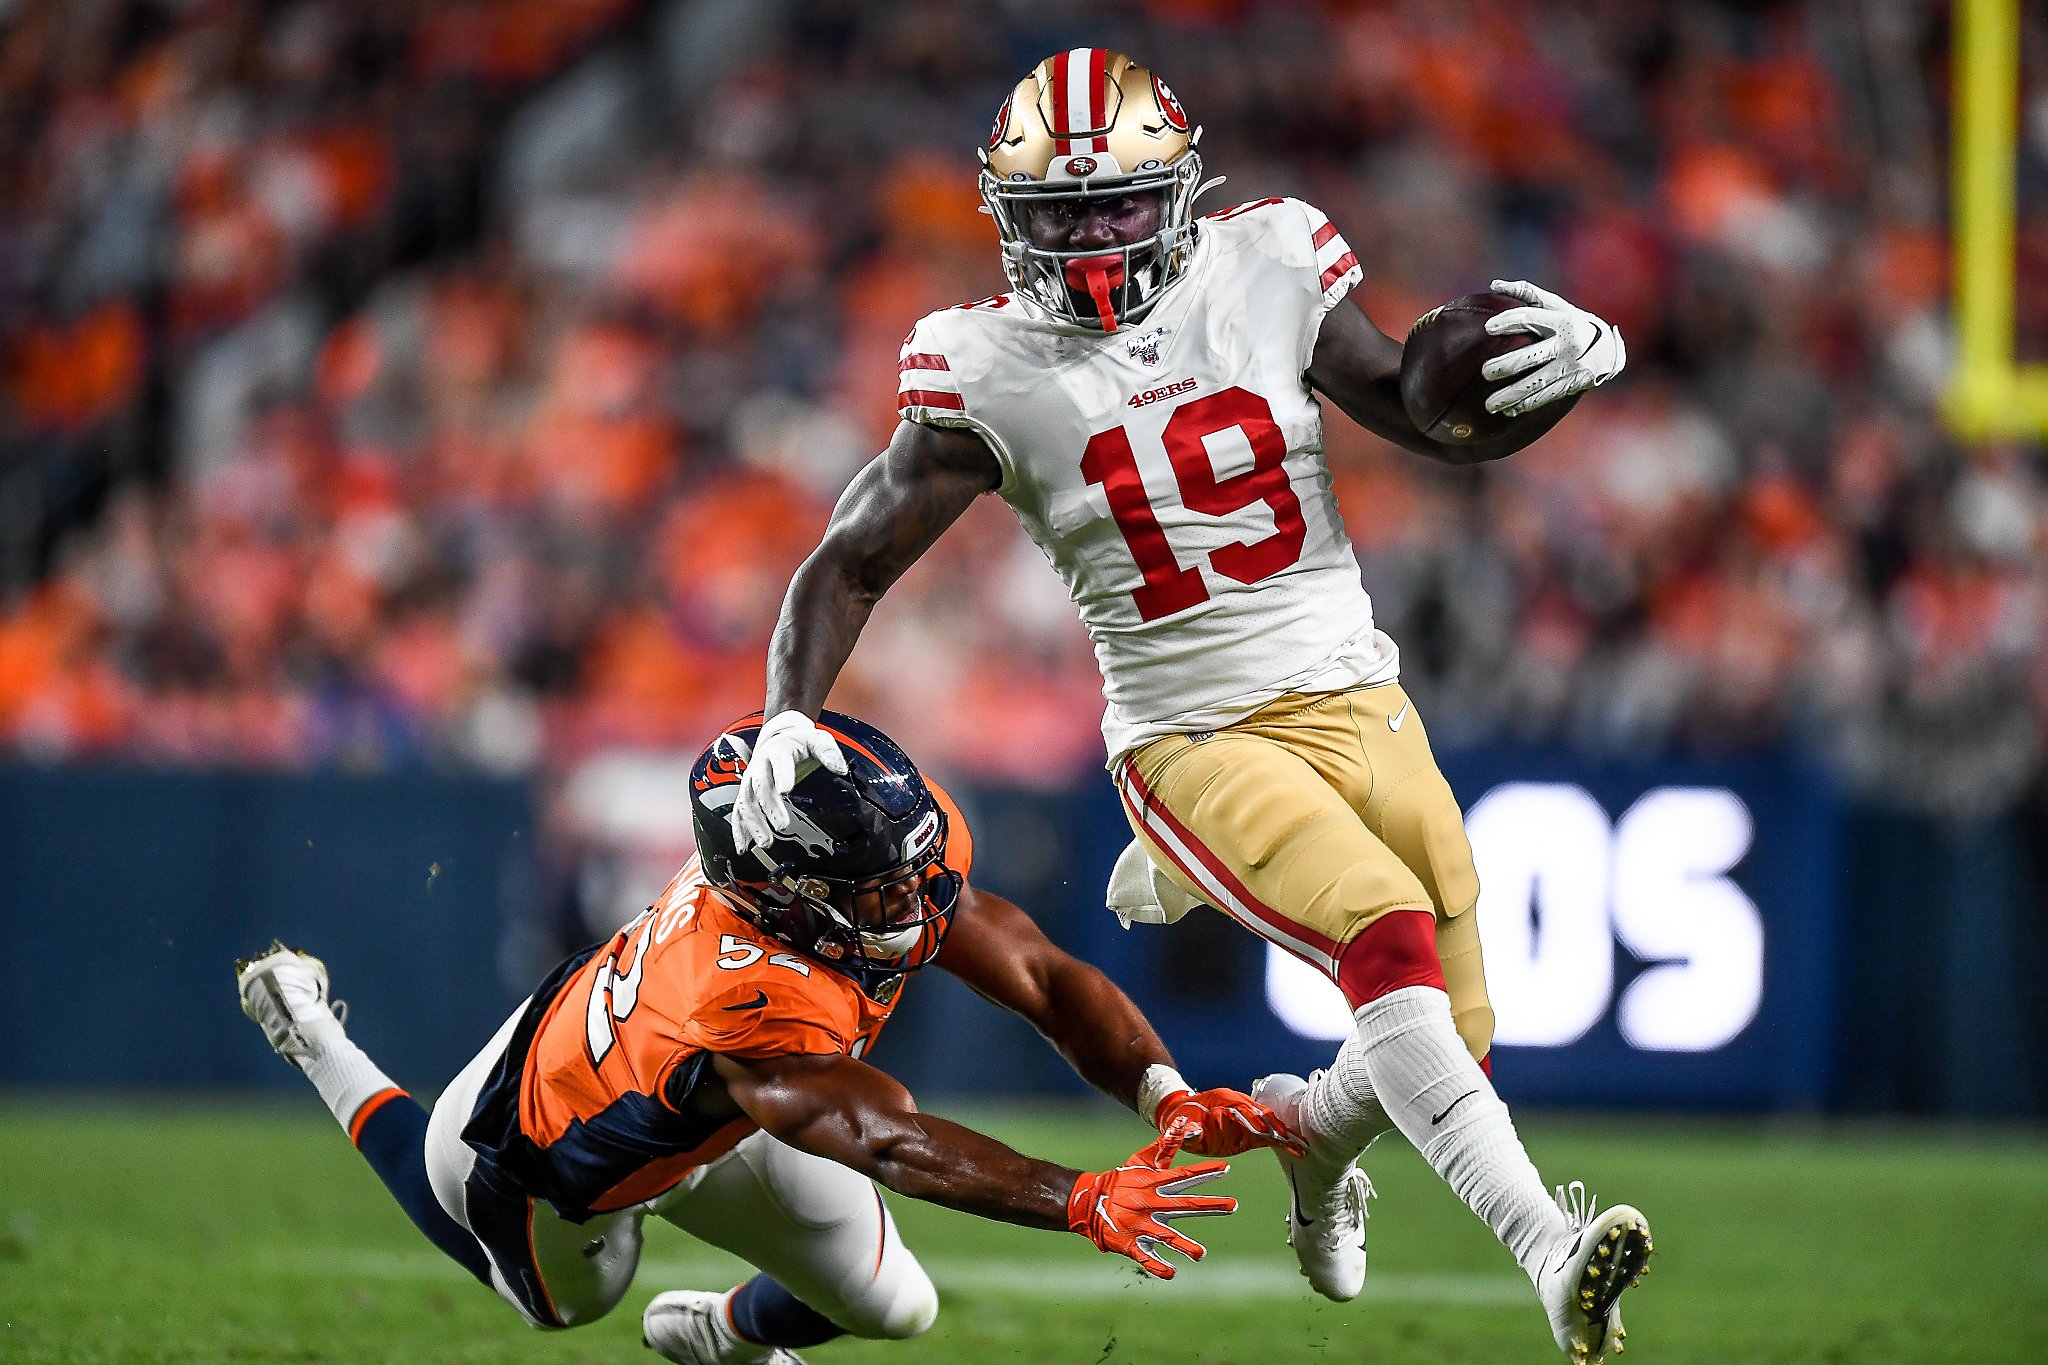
(889, 515)
(996, 948)
(845, 1110)
(1358, 367)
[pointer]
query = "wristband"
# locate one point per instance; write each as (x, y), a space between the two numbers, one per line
(1154, 1087)
(1081, 1204)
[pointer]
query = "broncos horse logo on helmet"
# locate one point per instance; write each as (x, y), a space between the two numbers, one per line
(860, 883)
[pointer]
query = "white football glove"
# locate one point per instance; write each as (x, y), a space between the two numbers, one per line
(1577, 350)
(789, 747)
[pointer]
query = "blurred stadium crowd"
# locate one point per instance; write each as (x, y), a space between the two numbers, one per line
(458, 383)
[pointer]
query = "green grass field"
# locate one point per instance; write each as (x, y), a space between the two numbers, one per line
(254, 1233)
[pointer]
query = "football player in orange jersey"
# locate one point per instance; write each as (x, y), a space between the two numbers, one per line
(705, 1065)
(1148, 400)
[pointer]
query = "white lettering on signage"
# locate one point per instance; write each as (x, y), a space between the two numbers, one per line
(1560, 887)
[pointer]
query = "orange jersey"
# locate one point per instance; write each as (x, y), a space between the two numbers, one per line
(596, 1114)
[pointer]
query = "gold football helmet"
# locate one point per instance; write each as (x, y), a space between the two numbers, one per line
(1085, 124)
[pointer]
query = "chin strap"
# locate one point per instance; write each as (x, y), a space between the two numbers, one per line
(1096, 276)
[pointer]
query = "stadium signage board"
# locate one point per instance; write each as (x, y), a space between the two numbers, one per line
(1656, 933)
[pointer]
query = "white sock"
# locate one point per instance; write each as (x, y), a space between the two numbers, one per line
(1443, 1103)
(342, 1072)
(1340, 1115)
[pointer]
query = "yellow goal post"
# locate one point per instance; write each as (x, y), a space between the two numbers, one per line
(1990, 393)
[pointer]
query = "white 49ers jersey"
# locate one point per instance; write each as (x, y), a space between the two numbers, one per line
(1173, 472)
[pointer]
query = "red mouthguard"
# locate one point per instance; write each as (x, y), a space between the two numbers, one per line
(1097, 275)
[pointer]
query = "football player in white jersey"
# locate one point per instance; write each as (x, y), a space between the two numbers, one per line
(1146, 401)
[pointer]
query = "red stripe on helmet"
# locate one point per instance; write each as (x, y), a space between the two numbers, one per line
(930, 398)
(1098, 77)
(1058, 121)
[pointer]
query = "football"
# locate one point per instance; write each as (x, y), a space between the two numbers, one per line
(1441, 386)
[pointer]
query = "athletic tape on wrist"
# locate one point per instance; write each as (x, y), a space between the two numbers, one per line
(1154, 1086)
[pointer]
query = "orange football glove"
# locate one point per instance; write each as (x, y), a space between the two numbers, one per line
(1225, 1123)
(1128, 1210)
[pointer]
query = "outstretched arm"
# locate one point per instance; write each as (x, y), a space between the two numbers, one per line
(845, 1110)
(837, 1107)
(996, 948)
(890, 514)
(1358, 367)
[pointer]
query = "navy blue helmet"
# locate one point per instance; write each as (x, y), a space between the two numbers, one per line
(876, 827)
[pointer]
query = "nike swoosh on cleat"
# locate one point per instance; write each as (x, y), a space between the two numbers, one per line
(760, 999)
(1453, 1105)
(1561, 1253)
(1399, 718)
(1294, 1198)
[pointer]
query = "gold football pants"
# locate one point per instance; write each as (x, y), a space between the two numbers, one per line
(1310, 819)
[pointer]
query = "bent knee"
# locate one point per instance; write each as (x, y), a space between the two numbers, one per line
(906, 1308)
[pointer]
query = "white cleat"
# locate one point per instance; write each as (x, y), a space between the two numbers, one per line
(1326, 1212)
(1582, 1278)
(285, 991)
(690, 1326)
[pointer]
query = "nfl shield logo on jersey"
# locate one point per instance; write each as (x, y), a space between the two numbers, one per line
(1145, 346)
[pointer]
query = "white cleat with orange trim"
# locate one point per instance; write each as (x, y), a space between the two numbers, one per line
(692, 1327)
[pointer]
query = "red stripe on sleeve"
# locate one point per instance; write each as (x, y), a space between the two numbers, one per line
(1338, 268)
(1324, 234)
(922, 360)
(1225, 215)
(930, 398)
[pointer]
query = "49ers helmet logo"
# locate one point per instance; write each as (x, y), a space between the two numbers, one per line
(1169, 106)
(1002, 128)
(1080, 165)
